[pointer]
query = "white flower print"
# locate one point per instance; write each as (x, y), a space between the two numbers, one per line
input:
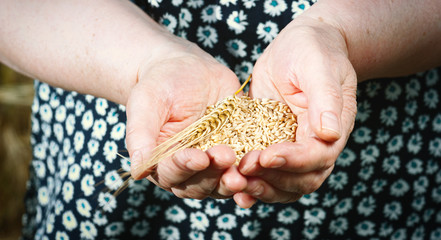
(207, 36)
(152, 210)
(114, 229)
(392, 210)
(195, 3)
(251, 229)
(432, 77)
(175, 214)
(243, 70)
(399, 188)
(345, 158)
(112, 116)
(274, 7)
(185, 18)
(93, 146)
(211, 13)
(87, 120)
(338, 180)
(435, 147)
(79, 108)
(369, 154)
(135, 199)
(435, 234)
(99, 129)
(50, 223)
(107, 201)
(236, 47)
(70, 103)
(432, 166)
(99, 219)
(395, 144)
(407, 125)
(140, 229)
(60, 114)
(69, 220)
(382, 136)
(177, 2)
(46, 112)
(241, 212)
(44, 91)
(427, 215)
(310, 232)
(98, 168)
(436, 194)
(413, 219)
(199, 221)
(378, 185)
(211, 209)
(366, 172)
(83, 207)
(221, 236)
(288, 215)
(74, 172)
(436, 123)
(280, 234)
(59, 207)
(193, 203)
(40, 168)
(362, 135)
(358, 189)
(431, 98)
(113, 180)
(391, 164)
(415, 143)
(267, 31)
(227, 2)
(88, 230)
(314, 216)
(169, 21)
(249, 3)
(412, 88)
(58, 131)
(418, 233)
(298, 7)
(329, 200)
(264, 210)
(86, 161)
(366, 206)
(393, 91)
(420, 185)
(87, 185)
(363, 111)
(237, 21)
(110, 151)
(385, 229)
(343, 206)
(365, 228)
(226, 222)
(256, 52)
(372, 88)
(410, 107)
(169, 233)
(78, 141)
(389, 116)
(118, 131)
(154, 3)
(43, 196)
(338, 226)
(162, 194)
(129, 214)
(309, 199)
(68, 191)
(422, 121)
(415, 166)
(418, 203)
(196, 235)
(63, 166)
(46, 129)
(138, 185)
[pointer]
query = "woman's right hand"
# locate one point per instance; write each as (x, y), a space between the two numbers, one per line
(173, 90)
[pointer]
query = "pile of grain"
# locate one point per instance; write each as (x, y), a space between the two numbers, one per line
(253, 124)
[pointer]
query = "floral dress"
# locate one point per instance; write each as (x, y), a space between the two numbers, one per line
(386, 183)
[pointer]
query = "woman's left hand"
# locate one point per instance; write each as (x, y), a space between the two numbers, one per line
(307, 68)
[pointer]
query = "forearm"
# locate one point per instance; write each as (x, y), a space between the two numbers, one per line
(94, 47)
(385, 38)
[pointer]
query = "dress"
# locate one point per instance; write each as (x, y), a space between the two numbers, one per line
(386, 183)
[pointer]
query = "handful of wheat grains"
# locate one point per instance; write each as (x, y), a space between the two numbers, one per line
(242, 123)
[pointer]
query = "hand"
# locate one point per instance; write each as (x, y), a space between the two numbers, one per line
(306, 67)
(173, 91)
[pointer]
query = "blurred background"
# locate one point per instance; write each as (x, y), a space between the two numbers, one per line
(16, 94)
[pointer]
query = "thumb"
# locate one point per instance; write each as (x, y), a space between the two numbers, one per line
(325, 102)
(146, 114)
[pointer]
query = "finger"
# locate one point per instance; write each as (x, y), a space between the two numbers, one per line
(265, 192)
(146, 114)
(184, 164)
(244, 200)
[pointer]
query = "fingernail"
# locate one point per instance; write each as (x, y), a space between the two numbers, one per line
(277, 162)
(136, 164)
(258, 190)
(330, 122)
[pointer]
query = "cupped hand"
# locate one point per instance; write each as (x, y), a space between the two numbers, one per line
(173, 90)
(306, 67)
